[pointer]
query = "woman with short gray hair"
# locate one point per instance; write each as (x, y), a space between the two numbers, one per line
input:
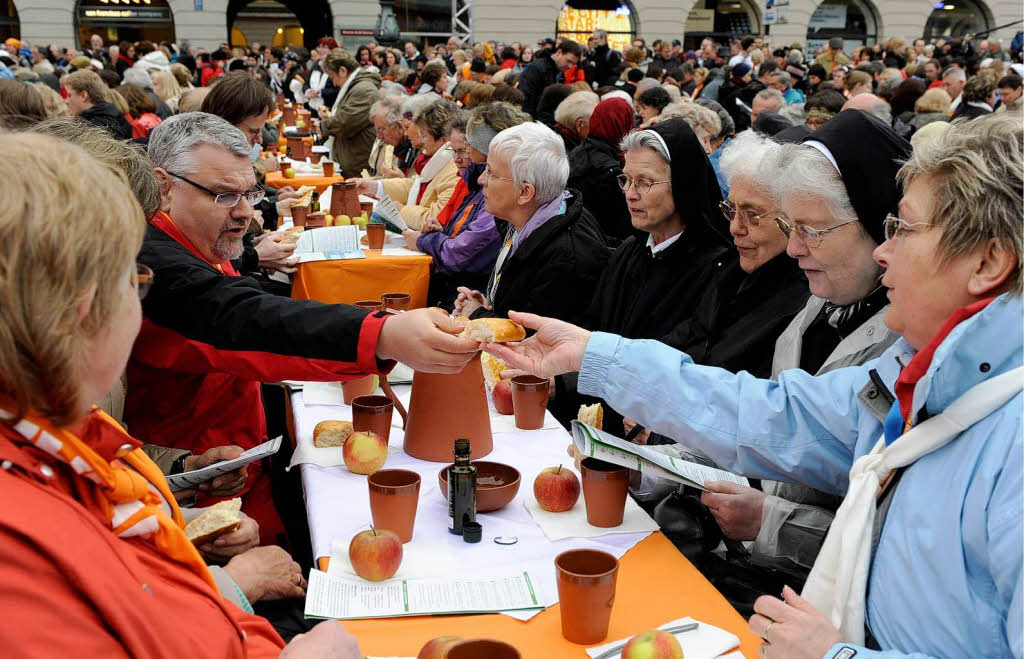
(554, 250)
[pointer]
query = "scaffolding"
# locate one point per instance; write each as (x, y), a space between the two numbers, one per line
(462, 21)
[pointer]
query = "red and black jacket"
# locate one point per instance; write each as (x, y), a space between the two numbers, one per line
(210, 336)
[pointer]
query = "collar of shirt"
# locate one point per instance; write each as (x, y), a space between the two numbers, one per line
(663, 245)
(979, 104)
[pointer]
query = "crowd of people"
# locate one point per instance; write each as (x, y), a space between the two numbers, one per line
(803, 267)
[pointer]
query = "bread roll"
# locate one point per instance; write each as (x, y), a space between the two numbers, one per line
(292, 235)
(217, 520)
(592, 415)
(493, 330)
(331, 433)
(306, 196)
(492, 367)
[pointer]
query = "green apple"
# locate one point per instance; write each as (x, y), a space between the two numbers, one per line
(342, 221)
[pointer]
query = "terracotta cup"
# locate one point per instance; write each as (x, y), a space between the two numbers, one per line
(373, 413)
(375, 236)
(604, 491)
(529, 401)
(586, 592)
(315, 157)
(317, 219)
(328, 168)
(394, 494)
(479, 648)
(299, 215)
(397, 301)
(376, 305)
(352, 389)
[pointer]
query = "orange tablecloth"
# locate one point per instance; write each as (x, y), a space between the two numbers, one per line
(656, 584)
(364, 279)
(321, 183)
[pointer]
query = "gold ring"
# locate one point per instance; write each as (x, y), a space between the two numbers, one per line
(767, 627)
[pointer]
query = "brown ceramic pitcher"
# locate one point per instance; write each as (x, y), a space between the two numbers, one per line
(446, 407)
(344, 199)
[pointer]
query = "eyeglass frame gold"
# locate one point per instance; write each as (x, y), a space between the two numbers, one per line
(754, 221)
(802, 230)
(625, 182)
(891, 219)
(143, 279)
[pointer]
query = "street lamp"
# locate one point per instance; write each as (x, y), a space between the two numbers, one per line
(386, 33)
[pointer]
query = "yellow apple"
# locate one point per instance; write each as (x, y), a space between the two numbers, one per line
(365, 452)
(342, 221)
(289, 173)
(329, 220)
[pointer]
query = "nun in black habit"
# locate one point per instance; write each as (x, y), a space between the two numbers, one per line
(646, 289)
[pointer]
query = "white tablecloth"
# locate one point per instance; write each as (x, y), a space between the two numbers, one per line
(338, 507)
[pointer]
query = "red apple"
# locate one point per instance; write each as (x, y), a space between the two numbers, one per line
(502, 395)
(556, 489)
(375, 554)
(653, 644)
(365, 452)
(437, 648)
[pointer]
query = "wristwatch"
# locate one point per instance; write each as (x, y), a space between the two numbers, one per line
(178, 466)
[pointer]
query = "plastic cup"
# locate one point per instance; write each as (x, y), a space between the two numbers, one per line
(299, 215)
(396, 301)
(373, 413)
(352, 389)
(529, 401)
(605, 489)
(375, 236)
(586, 593)
(376, 305)
(394, 494)
(482, 647)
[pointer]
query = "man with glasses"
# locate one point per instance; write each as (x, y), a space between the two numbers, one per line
(389, 125)
(210, 336)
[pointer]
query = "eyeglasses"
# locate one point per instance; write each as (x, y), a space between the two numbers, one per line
(642, 185)
(747, 216)
(490, 174)
(809, 235)
(898, 228)
(461, 153)
(143, 279)
(225, 199)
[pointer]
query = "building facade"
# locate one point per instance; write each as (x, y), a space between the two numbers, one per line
(207, 23)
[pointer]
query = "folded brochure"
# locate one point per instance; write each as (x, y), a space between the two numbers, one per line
(350, 599)
(595, 443)
(189, 479)
(329, 244)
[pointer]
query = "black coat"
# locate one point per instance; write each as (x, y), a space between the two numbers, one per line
(538, 75)
(728, 95)
(735, 326)
(105, 115)
(593, 168)
(606, 63)
(555, 269)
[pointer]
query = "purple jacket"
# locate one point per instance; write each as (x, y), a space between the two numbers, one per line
(477, 244)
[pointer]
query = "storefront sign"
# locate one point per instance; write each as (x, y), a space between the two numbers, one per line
(94, 14)
(579, 24)
(776, 15)
(700, 20)
(356, 32)
(828, 17)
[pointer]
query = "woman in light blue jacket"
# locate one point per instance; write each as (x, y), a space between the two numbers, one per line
(923, 559)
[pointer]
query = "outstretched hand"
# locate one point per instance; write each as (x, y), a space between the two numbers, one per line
(556, 348)
(425, 340)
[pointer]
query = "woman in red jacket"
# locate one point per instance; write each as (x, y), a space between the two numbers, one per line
(96, 563)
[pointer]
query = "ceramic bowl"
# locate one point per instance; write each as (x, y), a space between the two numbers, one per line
(496, 485)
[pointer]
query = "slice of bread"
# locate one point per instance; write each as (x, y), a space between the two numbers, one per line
(592, 415)
(492, 367)
(493, 330)
(331, 433)
(292, 235)
(217, 520)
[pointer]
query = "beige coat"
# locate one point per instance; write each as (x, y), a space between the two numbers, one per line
(438, 191)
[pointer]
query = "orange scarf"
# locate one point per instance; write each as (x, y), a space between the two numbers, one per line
(131, 507)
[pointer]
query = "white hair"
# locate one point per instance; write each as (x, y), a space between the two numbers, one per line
(172, 142)
(773, 96)
(618, 93)
(644, 85)
(647, 139)
(807, 173)
(578, 105)
(138, 77)
(795, 57)
(673, 92)
(754, 157)
(535, 154)
(695, 115)
(412, 105)
(955, 72)
(392, 106)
